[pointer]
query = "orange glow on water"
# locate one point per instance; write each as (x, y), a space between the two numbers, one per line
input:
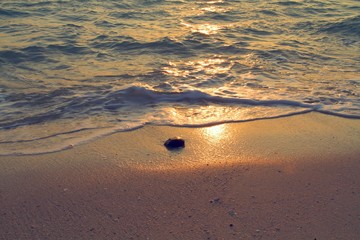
(206, 28)
(210, 66)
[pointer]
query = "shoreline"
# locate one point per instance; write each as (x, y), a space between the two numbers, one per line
(286, 178)
(47, 144)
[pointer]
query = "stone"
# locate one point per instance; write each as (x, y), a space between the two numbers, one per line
(215, 201)
(174, 143)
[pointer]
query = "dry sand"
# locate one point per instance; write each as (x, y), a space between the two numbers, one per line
(287, 178)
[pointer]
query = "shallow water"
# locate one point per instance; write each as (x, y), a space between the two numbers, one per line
(76, 70)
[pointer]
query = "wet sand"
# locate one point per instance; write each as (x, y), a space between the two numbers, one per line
(288, 178)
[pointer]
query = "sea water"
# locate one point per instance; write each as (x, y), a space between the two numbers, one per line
(75, 70)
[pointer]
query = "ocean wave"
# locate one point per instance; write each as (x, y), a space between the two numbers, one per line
(34, 53)
(190, 45)
(348, 26)
(288, 3)
(225, 16)
(12, 56)
(136, 100)
(13, 13)
(268, 12)
(35, 4)
(291, 55)
(69, 49)
(129, 44)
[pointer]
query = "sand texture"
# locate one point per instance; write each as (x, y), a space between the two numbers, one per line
(288, 178)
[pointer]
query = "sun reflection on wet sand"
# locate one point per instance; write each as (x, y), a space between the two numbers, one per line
(215, 133)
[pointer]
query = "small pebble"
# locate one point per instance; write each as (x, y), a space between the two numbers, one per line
(174, 143)
(215, 200)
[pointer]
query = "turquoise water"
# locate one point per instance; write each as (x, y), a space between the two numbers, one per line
(72, 71)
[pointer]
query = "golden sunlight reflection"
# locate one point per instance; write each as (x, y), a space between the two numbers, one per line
(215, 2)
(215, 133)
(213, 9)
(200, 115)
(206, 28)
(208, 66)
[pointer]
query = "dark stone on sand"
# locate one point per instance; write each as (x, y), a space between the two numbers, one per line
(215, 200)
(174, 143)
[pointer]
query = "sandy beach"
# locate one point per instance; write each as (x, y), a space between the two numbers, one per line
(288, 178)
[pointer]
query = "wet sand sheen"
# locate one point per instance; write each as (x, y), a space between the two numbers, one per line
(287, 178)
